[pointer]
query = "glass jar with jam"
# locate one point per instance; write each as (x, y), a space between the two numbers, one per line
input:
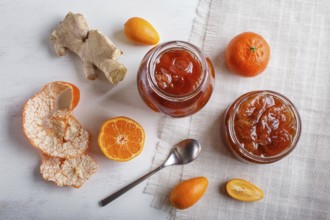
(175, 78)
(262, 127)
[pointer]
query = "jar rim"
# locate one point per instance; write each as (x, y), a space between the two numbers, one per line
(172, 45)
(264, 159)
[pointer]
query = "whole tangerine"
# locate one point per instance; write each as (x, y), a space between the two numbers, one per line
(247, 54)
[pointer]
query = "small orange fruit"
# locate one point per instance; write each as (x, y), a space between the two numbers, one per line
(188, 192)
(247, 54)
(141, 31)
(121, 138)
(243, 190)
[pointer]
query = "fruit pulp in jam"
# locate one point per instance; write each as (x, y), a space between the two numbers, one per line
(177, 72)
(264, 125)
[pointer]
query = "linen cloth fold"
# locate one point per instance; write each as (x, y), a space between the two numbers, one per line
(296, 187)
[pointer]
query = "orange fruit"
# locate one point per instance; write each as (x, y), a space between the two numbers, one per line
(121, 138)
(243, 190)
(188, 192)
(247, 54)
(141, 31)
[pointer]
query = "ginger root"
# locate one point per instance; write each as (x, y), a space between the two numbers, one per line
(95, 50)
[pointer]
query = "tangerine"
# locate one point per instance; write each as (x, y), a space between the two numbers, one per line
(247, 54)
(121, 138)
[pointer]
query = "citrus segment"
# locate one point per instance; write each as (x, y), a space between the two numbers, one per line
(243, 190)
(121, 138)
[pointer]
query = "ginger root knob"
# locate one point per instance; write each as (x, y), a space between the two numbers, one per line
(95, 50)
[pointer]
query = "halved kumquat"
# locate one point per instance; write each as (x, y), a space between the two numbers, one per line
(243, 190)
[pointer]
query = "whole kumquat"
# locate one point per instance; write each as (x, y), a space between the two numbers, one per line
(141, 31)
(188, 192)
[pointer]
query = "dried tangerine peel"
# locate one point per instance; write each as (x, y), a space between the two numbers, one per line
(121, 138)
(68, 172)
(49, 125)
(243, 190)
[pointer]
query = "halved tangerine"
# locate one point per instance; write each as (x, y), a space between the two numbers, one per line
(121, 138)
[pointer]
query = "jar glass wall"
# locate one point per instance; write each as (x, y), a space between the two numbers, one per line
(262, 127)
(175, 78)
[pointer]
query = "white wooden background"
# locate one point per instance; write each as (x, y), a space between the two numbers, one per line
(28, 62)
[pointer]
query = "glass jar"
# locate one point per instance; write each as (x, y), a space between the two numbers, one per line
(262, 127)
(175, 78)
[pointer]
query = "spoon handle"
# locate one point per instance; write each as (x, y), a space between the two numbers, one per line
(115, 195)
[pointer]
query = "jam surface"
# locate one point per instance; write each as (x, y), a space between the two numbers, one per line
(175, 78)
(178, 72)
(264, 125)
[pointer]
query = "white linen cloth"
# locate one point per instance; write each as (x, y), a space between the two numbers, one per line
(296, 187)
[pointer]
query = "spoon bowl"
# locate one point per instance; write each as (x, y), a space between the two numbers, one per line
(182, 153)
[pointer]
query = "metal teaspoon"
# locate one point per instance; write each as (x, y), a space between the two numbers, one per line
(182, 153)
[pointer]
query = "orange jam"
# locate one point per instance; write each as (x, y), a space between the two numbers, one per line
(175, 78)
(262, 127)
(178, 72)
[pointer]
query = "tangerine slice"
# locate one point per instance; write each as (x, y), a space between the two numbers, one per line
(49, 125)
(67, 172)
(243, 190)
(121, 138)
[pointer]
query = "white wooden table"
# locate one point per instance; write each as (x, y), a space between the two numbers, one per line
(28, 62)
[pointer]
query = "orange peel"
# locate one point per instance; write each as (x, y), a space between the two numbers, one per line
(49, 125)
(67, 172)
